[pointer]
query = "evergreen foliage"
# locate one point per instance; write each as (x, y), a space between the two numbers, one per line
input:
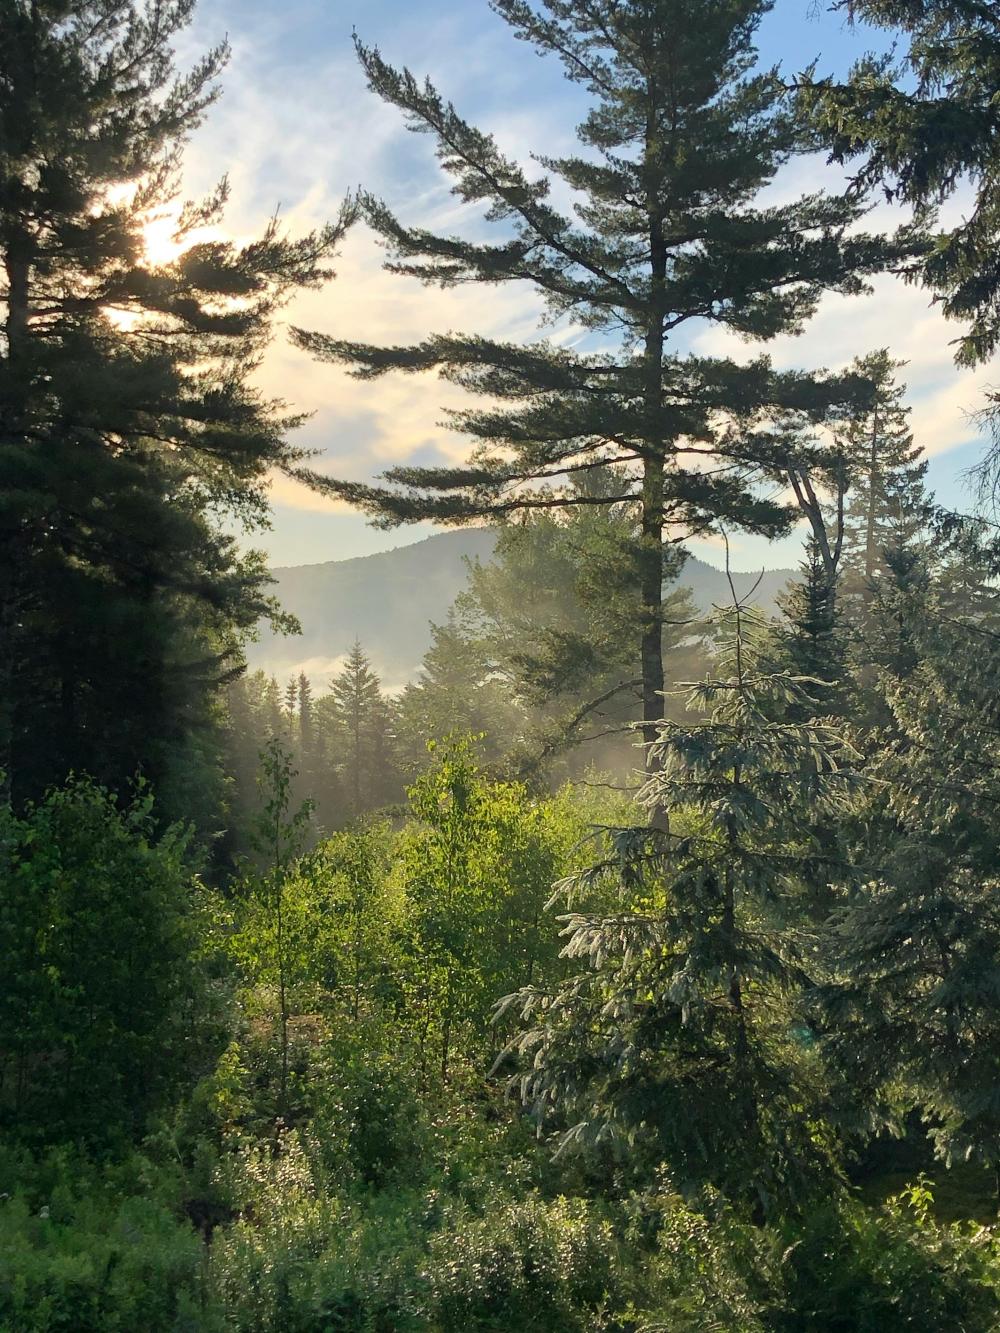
(540, 644)
(812, 636)
(683, 134)
(914, 1001)
(887, 505)
(129, 420)
(365, 721)
(680, 1028)
(458, 689)
(919, 126)
(756, 1074)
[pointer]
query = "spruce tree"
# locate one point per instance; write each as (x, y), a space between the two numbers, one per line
(886, 503)
(458, 691)
(676, 1034)
(667, 231)
(811, 637)
(309, 758)
(911, 1010)
(356, 694)
(291, 704)
(129, 421)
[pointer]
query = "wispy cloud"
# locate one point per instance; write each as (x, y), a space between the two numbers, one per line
(297, 129)
(897, 316)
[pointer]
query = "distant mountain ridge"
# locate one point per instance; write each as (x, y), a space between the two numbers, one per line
(390, 599)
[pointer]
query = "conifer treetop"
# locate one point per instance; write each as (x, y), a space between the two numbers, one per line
(663, 228)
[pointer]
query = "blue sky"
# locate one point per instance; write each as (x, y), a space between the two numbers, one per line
(296, 129)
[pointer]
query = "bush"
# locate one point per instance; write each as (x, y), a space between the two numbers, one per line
(84, 1262)
(303, 1258)
(102, 1007)
(878, 1271)
(707, 1270)
(526, 1263)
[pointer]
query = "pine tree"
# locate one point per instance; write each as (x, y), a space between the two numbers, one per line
(357, 698)
(922, 126)
(457, 691)
(291, 704)
(912, 1009)
(308, 750)
(812, 638)
(884, 640)
(680, 1033)
(886, 500)
(682, 136)
(305, 713)
(129, 422)
(552, 617)
(272, 716)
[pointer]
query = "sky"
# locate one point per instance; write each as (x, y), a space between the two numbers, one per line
(296, 129)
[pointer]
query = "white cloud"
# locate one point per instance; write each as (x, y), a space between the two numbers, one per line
(897, 316)
(297, 127)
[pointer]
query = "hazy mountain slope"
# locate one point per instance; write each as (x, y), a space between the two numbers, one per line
(389, 600)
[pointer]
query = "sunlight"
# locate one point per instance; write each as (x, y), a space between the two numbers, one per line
(162, 244)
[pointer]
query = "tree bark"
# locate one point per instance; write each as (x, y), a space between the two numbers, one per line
(17, 266)
(870, 526)
(652, 600)
(654, 455)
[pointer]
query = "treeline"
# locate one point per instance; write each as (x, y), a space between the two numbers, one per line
(345, 743)
(723, 1023)
(538, 657)
(535, 659)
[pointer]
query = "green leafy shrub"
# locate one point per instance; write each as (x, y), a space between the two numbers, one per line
(367, 1113)
(881, 1270)
(525, 1263)
(87, 1263)
(704, 1271)
(302, 1257)
(103, 1008)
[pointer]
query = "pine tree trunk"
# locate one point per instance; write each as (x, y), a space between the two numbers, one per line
(870, 526)
(651, 650)
(8, 614)
(17, 265)
(652, 601)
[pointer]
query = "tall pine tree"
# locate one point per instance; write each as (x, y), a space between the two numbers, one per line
(552, 618)
(129, 421)
(667, 231)
(365, 725)
(886, 500)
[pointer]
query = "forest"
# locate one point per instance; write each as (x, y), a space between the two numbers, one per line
(632, 968)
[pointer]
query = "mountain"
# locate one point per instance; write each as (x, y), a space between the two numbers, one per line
(389, 600)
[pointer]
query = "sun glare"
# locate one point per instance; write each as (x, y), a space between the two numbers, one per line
(163, 246)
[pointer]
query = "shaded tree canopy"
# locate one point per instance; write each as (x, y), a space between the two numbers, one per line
(129, 417)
